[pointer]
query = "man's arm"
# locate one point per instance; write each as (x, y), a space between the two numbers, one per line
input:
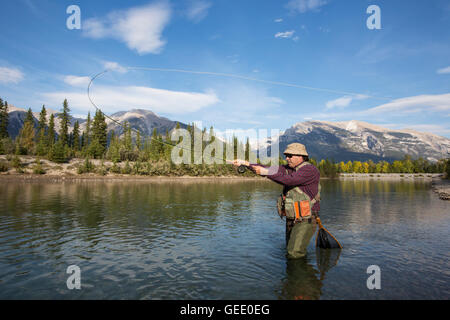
(304, 176)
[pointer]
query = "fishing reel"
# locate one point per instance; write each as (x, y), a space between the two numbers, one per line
(241, 169)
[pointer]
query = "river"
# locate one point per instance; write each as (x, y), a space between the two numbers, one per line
(193, 239)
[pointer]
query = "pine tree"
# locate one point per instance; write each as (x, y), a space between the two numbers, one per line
(76, 136)
(87, 132)
(4, 119)
(64, 124)
(42, 133)
(138, 141)
(114, 148)
(235, 147)
(154, 145)
(26, 136)
(57, 152)
(51, 131)
(82, 141)
(99, 134)
(128, 142)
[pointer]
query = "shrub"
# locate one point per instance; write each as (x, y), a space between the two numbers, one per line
(115, 168)
(37, 169)
(87, 167)
(102, 170)
(4, 166)
(16, 163)
(126, 169)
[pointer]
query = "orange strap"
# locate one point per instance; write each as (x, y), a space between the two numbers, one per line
(297, 211)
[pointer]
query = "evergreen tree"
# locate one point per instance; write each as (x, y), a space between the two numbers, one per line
(76, 136)
(247, 149)
(212, 138)
(42, 125)
(138, 141)
(64, 125)
(154, 145)
(82, 141)
(114, 148)
(128, 142)
(4, 119)
(51, 131)
(87, 132)
(26, 135)
(42, 133)
(57, 152)
(99, 134)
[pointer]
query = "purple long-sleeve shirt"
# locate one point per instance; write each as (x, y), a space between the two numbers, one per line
(306, 178)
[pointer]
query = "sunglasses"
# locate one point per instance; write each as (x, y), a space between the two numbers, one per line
(289, 155)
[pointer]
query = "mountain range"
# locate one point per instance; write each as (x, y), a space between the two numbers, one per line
(339, 141)
(357, 140)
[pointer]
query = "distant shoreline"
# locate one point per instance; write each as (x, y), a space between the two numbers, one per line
(93, 176)
(392, 176)
(438, 185)
(68, 172)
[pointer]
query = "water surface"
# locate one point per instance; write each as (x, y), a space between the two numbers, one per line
(218, 240)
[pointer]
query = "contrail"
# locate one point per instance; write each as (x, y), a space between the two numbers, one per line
(229, 75)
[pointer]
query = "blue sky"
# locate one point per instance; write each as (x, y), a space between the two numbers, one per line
(316, 59)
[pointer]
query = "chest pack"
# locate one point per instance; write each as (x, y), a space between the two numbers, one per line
(296, 204)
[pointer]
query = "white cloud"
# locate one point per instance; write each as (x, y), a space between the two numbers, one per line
(140, 28)
(198, 10)
(303, 6)
(344, 101)
(444, 70)
(114, 66)
(422, 103)
(278, 20)
(76, 81)
(287, 34)
(10, 75)
(114, 98)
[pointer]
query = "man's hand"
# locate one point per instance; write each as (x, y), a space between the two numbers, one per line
(261, 171)
(238, 163)
(256, 168)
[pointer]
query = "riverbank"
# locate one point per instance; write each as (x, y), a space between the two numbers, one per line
(441, 187)
(51, 171)
(26, 169)
(391, 176)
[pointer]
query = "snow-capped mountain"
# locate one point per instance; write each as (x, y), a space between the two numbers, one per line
(143, 120)
(357, 140)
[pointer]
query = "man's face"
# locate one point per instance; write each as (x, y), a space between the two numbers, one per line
(293, 160)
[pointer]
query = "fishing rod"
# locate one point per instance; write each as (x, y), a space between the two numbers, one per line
(242, 168)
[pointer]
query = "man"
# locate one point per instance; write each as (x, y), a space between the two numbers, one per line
(300, 198)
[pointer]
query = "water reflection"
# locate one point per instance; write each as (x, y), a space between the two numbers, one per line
(326, 259)
(303, 280)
